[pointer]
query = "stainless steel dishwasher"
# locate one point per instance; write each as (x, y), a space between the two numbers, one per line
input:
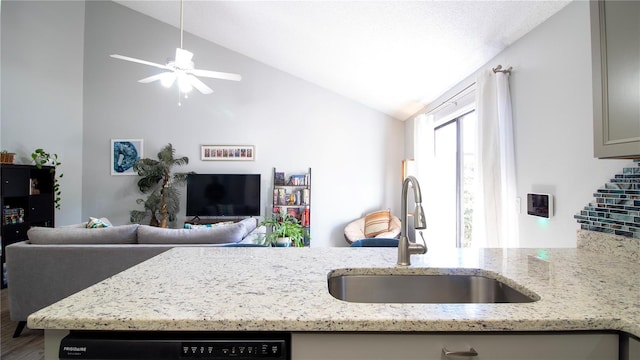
(159, 345)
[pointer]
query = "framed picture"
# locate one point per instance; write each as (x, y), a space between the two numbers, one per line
(227, 152)
(124, 154)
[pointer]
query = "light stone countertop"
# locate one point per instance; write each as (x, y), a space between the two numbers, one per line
(286, 289)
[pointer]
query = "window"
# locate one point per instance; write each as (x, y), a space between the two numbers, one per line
(454, 170)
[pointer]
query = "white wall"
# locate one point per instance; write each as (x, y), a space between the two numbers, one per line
(354, 152)
(42, 54)
(552, 110)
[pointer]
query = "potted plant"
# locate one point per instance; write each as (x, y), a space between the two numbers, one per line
(43, 158)
(6, 157)
(161, 184)
(285, 230)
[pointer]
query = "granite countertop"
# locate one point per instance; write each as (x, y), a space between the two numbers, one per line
(286, 289)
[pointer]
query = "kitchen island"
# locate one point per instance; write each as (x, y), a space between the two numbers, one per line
(285, 289)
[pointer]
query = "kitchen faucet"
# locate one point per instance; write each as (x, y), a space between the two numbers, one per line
(405, 247)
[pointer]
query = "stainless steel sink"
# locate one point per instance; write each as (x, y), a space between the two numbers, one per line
(424, 289)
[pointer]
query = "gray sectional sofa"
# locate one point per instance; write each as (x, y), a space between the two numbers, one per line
(57, 262)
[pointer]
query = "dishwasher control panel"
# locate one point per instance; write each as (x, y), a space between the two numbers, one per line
(224, 349)
(130, 345)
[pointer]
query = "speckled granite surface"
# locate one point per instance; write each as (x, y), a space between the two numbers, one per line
(611, 245)
(286, 289)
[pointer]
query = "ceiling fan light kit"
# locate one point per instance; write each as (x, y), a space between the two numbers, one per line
(181, 69)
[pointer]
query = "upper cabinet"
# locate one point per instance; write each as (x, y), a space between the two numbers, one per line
(615, 36)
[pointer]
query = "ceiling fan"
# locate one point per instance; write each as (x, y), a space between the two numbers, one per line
(181, 69)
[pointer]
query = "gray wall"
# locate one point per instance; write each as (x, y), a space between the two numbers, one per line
(42, 55)
(552, 111)
(354, 152)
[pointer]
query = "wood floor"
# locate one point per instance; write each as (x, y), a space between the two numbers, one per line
(28, 346)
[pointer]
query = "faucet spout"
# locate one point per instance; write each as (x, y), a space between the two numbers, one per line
(407, 248)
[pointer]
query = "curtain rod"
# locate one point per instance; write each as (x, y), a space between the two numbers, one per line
(499, 68)
(450, 100)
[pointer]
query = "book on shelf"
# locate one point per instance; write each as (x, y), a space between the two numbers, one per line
(278, 178)
(282, 197)
(298, 180)
(304, 217)
(295, 212)
(12, 216)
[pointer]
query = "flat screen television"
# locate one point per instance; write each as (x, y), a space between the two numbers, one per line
(223, 195)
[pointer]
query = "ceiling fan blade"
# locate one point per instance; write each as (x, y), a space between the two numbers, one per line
(151, 78)
(216, 74)
(144, 62)
(202, 87)
(183, 58)
(166, 78)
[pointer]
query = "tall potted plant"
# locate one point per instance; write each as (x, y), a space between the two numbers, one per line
(157, 180)
(285, 230)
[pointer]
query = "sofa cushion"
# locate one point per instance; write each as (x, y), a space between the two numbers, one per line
(232, 233)
(376, 223)
(123, 234)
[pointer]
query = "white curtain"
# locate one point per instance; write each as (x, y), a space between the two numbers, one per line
(495, 219)
(423, 154)
(423, 145)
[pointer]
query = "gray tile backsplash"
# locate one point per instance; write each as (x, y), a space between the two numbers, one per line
(616, 206)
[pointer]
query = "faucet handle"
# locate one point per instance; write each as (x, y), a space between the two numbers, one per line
(424, 242)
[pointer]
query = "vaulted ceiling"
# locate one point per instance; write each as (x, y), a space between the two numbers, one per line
(393, 56)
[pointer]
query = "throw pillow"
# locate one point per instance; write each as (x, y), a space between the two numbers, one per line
(200, 226)
(376, 223)
(97, 223)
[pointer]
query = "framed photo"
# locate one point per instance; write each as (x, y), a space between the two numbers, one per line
(227, 152)
(124, 154)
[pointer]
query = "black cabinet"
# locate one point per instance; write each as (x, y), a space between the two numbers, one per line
(27, 199)
(15, 181)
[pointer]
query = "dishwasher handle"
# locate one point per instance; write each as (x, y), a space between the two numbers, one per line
(470, 353)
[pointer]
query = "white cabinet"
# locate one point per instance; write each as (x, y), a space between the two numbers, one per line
(429, 346)
(615, 37)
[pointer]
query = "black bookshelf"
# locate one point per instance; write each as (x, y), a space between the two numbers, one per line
(27, 200)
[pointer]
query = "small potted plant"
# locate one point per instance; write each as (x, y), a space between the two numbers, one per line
(285, 230)
(6, 157)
